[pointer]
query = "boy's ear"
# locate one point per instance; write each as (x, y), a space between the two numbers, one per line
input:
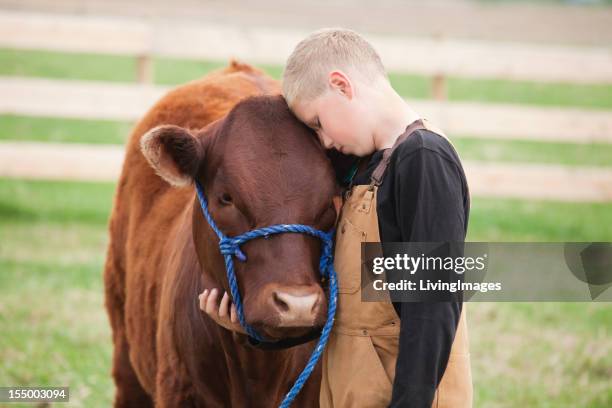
(174, 153)
(339, 81)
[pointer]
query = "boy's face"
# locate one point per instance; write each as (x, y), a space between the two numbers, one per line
(339, 117)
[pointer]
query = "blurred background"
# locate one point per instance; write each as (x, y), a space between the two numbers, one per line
(523, 89)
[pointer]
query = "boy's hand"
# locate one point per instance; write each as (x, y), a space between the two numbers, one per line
(225, 314)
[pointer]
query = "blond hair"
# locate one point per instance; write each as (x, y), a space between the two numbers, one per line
(324, 50)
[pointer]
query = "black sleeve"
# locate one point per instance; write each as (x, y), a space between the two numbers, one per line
(429, 208)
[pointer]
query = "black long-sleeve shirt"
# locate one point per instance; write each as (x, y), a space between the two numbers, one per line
(423, 198)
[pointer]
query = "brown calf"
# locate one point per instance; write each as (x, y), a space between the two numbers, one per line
(259, 166)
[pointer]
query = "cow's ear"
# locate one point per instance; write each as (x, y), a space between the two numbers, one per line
(173, 152)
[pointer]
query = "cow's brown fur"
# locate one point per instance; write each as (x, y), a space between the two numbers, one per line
(162, 252)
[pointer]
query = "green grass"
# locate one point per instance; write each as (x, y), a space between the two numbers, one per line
(571, 154)
(55, 331)
(60, 202)
(53, 239)
(490, 219)
(506, 91)
(65, 65)
(63, 130)
(61, 65)
(175, 72)
(533, 93)
(544, 221)
(541, 354)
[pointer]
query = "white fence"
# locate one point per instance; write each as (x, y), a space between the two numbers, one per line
(256, 45)
(101, 100)
(431, 57)
(103, 163)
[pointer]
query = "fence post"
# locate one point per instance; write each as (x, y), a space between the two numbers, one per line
(438, 87)
(144, 69)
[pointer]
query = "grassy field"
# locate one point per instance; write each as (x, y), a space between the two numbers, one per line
(55, 332)
(54, 329)
(53, 237)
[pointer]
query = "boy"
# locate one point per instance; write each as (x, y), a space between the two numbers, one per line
(409, 186)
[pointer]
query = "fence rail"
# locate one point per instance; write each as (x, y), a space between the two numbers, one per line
(115, 101)
(436, 58)
(58, 161)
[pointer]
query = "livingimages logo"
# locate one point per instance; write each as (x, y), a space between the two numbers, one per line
(486, 271)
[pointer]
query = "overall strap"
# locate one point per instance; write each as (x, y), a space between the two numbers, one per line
(378, 173)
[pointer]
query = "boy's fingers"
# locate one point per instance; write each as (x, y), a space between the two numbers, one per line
(211, 304)
(224, 305)
(203, 296)
(233, 315)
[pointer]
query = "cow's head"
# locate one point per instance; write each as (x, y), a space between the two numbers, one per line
(259, 166)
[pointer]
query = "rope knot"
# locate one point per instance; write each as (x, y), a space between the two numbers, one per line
(229, 246)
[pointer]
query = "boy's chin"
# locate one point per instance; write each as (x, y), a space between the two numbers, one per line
(355, 152)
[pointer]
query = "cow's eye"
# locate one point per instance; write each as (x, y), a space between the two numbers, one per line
(225, 199)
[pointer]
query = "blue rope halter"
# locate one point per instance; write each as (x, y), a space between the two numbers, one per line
(230, 247)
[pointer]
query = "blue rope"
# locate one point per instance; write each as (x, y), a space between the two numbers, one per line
(230, 247)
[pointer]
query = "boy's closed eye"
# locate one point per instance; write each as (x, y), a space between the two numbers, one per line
(314, 124)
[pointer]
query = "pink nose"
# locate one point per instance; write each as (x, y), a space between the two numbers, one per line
(296, 308)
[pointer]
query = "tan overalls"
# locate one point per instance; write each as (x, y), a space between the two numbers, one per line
(359, 361)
